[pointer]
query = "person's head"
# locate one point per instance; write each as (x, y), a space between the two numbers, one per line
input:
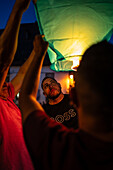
(94, 85)
(51, 88)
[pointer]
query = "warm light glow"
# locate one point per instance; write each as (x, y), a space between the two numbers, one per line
(76, 62)
(71, 76)
(67, 84)
(17, 95)
(84, 25)
(76, 48)
(71, 81)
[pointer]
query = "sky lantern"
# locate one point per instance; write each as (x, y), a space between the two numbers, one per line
(71, 26)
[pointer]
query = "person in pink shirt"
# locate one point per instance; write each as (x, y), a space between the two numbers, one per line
(13, 152)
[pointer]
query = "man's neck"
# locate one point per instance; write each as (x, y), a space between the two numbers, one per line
(57, 100)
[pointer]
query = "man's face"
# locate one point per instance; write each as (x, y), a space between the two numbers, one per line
(51, 88)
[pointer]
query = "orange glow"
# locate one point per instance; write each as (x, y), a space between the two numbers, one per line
(67, 85)
(76, 62)
(71, 76)
(71, 81)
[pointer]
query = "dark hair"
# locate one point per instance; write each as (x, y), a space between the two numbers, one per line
(97, 68)
(45, 79)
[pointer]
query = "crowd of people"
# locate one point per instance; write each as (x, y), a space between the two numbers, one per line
(56, 135)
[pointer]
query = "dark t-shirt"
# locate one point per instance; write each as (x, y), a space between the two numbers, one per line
(52, 146)
(63, 113)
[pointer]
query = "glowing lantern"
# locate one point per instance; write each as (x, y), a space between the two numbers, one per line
(71, 26)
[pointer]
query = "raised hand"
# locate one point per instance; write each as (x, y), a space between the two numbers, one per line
(40, 46)
(22, 4)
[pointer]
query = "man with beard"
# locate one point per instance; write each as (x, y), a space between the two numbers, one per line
(58, 104)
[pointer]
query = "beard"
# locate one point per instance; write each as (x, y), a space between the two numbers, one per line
(54, 96)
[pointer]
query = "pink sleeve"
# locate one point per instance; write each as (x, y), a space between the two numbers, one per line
(11, 91)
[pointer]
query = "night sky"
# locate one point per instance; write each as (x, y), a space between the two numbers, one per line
(5, 10)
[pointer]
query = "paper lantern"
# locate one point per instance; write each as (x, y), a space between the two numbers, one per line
(71, 26)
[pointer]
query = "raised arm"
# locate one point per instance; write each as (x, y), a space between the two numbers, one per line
(18, 79)
(27, 100)
(9, 38)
